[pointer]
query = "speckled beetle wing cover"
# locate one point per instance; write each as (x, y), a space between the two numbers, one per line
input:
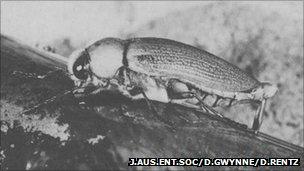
(163, 57)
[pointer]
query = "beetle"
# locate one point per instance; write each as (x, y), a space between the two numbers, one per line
(165, 70)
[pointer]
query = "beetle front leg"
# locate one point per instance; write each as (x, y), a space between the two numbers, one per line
(123, 75)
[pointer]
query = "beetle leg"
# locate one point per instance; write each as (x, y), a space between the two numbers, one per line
(204, 106)
(134, 91)
(153, 108)
(179, 90)
(204, 96)
(230, 102)
(150, 104)
(257, 122)
(216, 100)
(123, 75)
(207, 107)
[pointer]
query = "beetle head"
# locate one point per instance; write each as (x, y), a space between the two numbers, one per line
(97, 63)
(264, 91)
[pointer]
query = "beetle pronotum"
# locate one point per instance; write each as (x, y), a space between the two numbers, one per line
(165, 70)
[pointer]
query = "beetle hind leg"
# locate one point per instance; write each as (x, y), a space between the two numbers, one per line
(178, 90)
(258, 118)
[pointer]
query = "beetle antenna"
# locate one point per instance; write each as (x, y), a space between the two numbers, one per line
(47, 101)
(37, 76)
